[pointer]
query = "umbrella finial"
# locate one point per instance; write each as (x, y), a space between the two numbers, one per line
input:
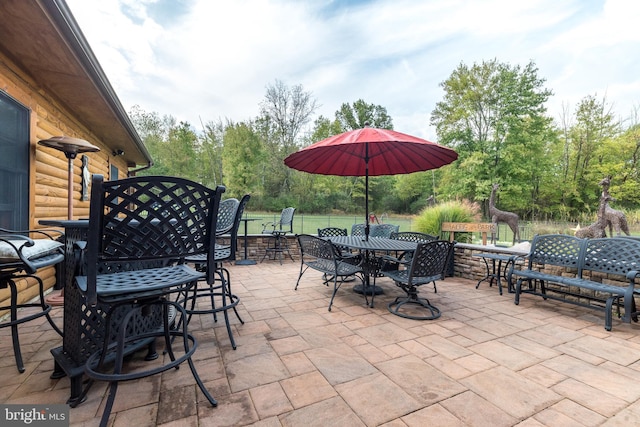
(367, 124)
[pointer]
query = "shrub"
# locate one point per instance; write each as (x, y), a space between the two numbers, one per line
(430, 219)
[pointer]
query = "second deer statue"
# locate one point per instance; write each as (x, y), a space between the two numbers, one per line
(597, 229)
(615, 219)
(510, 218)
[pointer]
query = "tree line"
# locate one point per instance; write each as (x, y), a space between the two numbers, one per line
(493, 114)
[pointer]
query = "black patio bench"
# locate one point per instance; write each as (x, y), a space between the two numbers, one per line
(575, 265)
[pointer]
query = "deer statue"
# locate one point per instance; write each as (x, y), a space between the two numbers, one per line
(510, 218)
(615, 219)
(597, 229)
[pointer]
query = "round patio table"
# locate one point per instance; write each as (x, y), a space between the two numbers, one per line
(368, 248)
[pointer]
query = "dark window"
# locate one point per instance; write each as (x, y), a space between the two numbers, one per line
(113, 174)
(14, 164)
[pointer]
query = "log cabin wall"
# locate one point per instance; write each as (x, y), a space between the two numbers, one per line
(48, 167)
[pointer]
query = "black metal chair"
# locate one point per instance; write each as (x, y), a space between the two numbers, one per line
(346, 252)
(322, 255)
(429, 264)
(278, 231)
(223, 253)
(391, 263)
(21, 256)
(138, 229)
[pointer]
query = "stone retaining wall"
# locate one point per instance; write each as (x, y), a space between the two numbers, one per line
(465, 264)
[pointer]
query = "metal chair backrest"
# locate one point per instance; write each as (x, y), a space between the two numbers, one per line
(236, 225)
(286, 220)
(331, 232)
(226, 215)
(430, 261)
(412, 236)
(136, 222)
(383, 230)
(357, 229)
(317, 248)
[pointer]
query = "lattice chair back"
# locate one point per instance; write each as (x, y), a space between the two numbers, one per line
(331, 232)
(226, 215)
(429, 262)
(412, 236)
(555, 249)
(383, 230)
(357, 229)
(136, 222)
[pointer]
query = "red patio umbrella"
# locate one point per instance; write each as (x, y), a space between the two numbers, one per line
(370, 152)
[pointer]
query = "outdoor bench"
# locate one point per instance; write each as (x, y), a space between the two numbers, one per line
(579, 262)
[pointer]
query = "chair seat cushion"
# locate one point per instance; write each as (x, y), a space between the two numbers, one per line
(40, 248)
(129, 285)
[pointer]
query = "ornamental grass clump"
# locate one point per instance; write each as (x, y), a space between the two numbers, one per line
(431, 218)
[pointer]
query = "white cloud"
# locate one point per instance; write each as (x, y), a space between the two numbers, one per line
(215, 59)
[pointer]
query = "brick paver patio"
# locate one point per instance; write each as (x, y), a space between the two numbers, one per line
(485, 362)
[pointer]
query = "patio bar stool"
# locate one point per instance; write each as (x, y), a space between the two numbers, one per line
(210, 292)
(278, 230)
(139, 230)
(20, 258)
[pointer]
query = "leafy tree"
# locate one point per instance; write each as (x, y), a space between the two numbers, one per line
(210, 155)
(359, 113)
(493, 114)
(182, 149)
(242, 153)
(594, 124)
(284, 113)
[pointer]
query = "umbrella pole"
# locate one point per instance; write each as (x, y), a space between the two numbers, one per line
(366, 191)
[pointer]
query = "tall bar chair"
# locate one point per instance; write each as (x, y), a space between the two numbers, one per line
(278, 230)
(139, 230)
(221, 287)
(21, 257)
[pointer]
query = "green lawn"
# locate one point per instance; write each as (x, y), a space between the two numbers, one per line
(309, 224)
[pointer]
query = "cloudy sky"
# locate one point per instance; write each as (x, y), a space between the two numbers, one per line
(205, 60)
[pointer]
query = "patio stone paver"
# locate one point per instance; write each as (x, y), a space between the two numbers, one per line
(333, 411)
(578, 413)
(473, 410)
(425, 417)
(485, 361)
(505, 355)
(513, 393)
(270, 400)
(376, 399)
(419, 379)
(307, 389)
(589, 397)
(340, 363)
(617, 384)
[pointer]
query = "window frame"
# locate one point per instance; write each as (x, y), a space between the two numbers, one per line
(15, 163)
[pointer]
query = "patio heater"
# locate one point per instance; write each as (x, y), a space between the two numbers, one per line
(70, 147)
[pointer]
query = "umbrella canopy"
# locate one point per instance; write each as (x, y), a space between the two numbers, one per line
(370, 152)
